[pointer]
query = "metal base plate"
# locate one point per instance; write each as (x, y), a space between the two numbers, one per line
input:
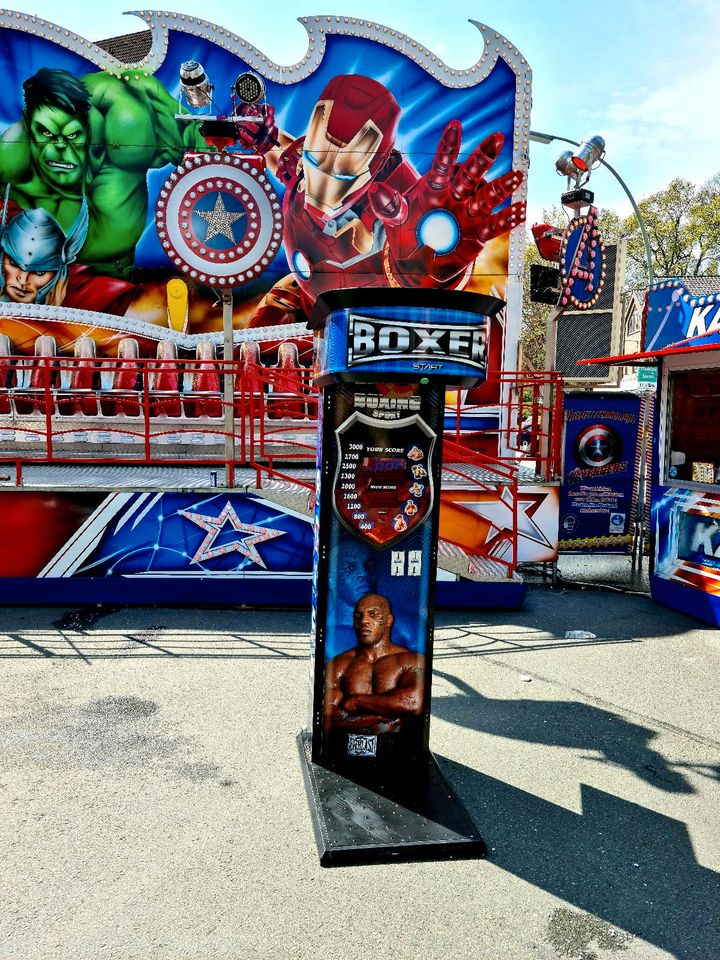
(416, 818)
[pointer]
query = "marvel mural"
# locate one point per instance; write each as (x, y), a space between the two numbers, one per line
(370, 163)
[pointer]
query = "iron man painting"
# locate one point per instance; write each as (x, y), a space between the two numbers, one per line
(357, 213)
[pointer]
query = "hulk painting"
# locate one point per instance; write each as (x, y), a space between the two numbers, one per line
(95, 137)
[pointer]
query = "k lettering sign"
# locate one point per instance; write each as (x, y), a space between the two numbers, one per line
(704, 320)
(699, 539)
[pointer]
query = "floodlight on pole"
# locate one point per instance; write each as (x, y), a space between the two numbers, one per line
(578, 165)
(565, 166)
(548, 138)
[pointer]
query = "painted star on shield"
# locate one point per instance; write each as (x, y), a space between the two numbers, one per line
(219, 220)
(246, 545)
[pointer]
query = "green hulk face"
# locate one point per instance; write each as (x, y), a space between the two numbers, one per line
(58, 146)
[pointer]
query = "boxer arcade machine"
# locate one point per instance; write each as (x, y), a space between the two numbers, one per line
(384, 359)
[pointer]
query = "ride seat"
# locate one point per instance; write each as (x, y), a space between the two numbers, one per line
(43, 380)
(244, 378)
(286, 399)
(202, 396)
(8, 376)
(81, 396)
(165, 382)
(123, 397)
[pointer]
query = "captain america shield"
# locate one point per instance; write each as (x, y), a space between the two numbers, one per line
(219, 219)
(598, 446)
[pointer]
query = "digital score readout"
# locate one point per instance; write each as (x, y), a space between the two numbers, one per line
(384, 486)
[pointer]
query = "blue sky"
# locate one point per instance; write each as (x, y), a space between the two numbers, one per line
(645, 75)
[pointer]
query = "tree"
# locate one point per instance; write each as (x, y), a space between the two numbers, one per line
(682, 222)
(534, 317)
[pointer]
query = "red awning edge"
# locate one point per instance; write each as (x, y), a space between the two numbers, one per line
(650, 357)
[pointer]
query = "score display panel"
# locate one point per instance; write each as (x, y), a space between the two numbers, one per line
(383, 486)
(373, 593)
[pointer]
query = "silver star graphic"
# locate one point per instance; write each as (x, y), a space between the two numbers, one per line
(528, 504)
(244, 545)
(219, 220)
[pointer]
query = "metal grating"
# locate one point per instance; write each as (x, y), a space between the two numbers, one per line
(580, 335)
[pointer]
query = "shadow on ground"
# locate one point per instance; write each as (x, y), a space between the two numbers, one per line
(606, 737)
(616, 860)
(609, 615)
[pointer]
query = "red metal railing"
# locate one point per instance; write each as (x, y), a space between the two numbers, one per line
(281, 420)
(488, 474)
(527, 421)
(101, 403)
(129, 409)
(144, 400)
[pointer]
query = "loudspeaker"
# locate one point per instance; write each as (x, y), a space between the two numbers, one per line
(544, 284)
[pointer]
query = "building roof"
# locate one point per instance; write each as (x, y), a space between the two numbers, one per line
(697, 286)
(130, 47)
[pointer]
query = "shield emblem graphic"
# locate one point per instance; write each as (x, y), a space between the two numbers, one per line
(598, 446)
(219, 219)
(383, 482)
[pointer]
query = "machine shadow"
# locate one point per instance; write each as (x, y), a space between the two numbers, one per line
(616, 860)
(562, 723)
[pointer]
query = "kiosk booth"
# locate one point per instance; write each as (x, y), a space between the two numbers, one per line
(681, 339)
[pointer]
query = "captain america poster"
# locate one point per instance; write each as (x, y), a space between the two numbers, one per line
(601, 472)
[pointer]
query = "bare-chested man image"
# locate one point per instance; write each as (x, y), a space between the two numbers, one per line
(378, 685)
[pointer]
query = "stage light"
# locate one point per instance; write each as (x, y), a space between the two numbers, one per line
(565, 166)
(548, 240)
(249, 87)
(195, 84)
(589, 153)
(577, 165)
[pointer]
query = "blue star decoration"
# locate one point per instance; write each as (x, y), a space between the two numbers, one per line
(246, 545)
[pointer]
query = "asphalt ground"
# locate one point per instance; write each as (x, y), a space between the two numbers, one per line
(152, 801)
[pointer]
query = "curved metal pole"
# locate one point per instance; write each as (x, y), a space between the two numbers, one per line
(549, 137)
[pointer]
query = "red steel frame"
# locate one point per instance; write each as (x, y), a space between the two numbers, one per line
(531, 417)
(273, 408)
(496, 472)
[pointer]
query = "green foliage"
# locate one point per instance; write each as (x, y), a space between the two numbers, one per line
(683, 227)
(534, 318)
